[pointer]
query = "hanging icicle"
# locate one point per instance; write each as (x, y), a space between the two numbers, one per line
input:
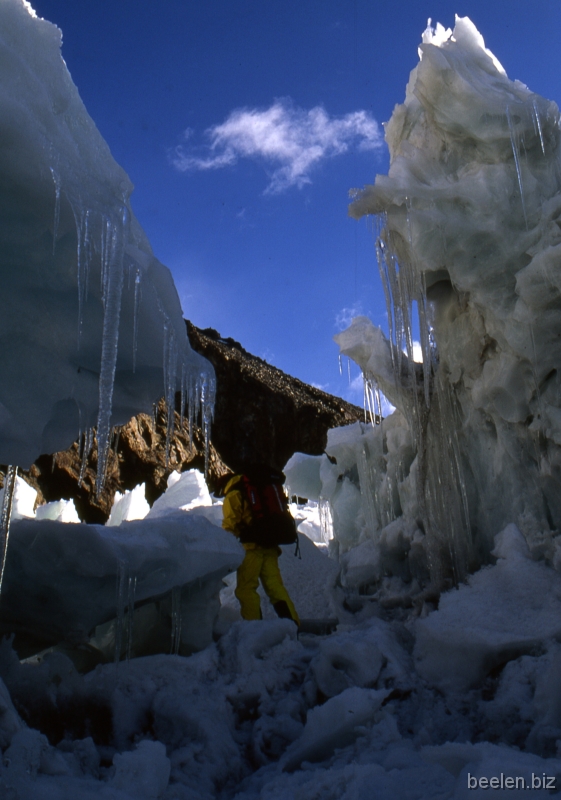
(116, 236)
(57, 183)
(538, 124)
(86, 449)
(130, 616)
(515, 152)
(175, 619)
(5, 519)
(135, 317)
(207, 395)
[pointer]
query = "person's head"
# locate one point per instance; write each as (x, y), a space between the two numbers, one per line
(221, 482)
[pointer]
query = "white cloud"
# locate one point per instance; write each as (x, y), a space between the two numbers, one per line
(346, 316)
(417, 352)
(291, 138)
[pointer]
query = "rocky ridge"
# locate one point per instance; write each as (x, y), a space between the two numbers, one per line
(261, 414)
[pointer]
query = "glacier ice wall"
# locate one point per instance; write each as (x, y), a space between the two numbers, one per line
(469, 246)
(91, 330)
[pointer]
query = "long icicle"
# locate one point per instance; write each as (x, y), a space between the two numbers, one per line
(56, 181)
(514, 145)
(112, 311)
(9, 489)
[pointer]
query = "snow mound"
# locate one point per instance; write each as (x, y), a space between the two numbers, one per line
(184, 491)
(58, 511)
(502, 612)
(128, 506)
(334, 724)
(63, 580)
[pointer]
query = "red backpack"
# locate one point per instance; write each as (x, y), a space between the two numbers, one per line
(272, 523)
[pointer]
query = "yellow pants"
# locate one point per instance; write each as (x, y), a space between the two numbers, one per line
(262, 563)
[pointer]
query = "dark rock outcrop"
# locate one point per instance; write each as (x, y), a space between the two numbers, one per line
(261, 414)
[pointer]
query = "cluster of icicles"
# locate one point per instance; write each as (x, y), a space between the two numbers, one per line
(124, 621)
(197, 388)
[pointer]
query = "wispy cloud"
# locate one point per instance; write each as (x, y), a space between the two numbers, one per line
(344, 318)
(291, 139)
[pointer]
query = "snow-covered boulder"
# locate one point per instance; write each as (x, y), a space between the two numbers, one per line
(130, 505)
(334, 724)
(62, 581)
(23, 499)
(501, 612)
(302, 476)
(58, 511)
(185, 491)
(143, 772)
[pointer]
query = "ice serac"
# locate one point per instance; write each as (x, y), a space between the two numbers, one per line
(64, 581)
(91, 330)
(469, 247)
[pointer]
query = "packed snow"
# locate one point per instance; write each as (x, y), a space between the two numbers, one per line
(435, 684)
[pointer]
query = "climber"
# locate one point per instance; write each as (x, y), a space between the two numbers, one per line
(247, 516)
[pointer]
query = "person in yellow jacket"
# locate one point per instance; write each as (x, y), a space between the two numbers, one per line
(259, 564)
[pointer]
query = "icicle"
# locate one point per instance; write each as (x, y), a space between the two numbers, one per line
(87, 253)
(325, 519)
(378, 398)
(514, 145)
(536, 117)
(340, 364)
(117, 432)
(121, 591)
(369, 400)
(425, 340)
(367, 491)
(56, 180)
(130, 615)
(170, 380)
(191, 414)
(135, 317)
(87, 446)
(110, 340)
(208, 391)
(182, 401)
(5, 519)
(175, 619)
(349, 369)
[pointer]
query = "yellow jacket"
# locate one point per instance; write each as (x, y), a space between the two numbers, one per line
(235, 510)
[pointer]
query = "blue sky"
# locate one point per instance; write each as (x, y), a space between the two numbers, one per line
(243, 124)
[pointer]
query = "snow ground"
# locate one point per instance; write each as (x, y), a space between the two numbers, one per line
(265, 713)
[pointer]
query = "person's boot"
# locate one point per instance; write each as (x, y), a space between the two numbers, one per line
(283, 611)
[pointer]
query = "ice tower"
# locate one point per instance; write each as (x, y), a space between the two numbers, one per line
(469, 241)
